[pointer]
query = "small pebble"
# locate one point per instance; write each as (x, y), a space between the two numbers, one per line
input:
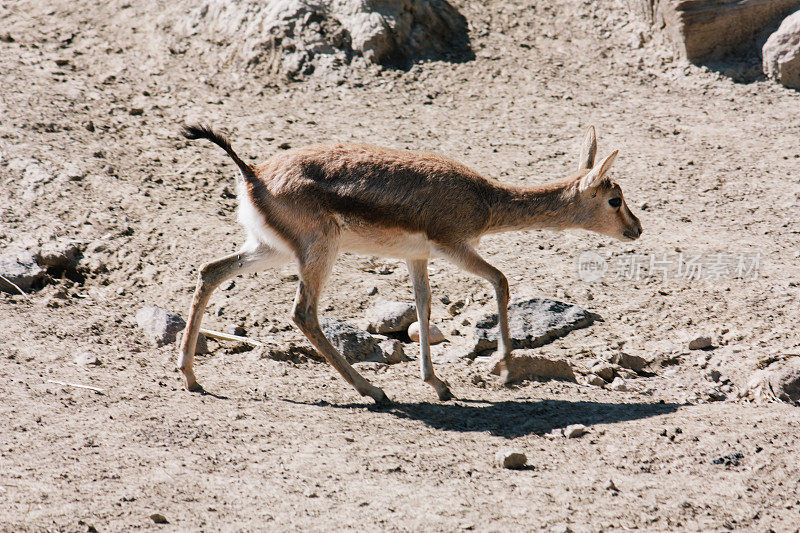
(702, 342)
(610, 485)
(618, 384)
(159, 518)
(574, 431)
(595, 380)
(511, 459)
(87, 358)
(604, 370)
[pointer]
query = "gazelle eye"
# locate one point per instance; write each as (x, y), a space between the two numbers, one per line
(615, 202)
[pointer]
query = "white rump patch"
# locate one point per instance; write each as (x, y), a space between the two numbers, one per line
(258, 232)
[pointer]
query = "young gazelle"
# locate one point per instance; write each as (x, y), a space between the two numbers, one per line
(309, 204)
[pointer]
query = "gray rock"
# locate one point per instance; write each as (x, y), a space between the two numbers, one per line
(535, 367)
(393, 350)
(597, 381)
(237, 330)
(58, 254)
(786, 385)
(390, 317)
(703, 342)
(20, 269)
(716, 395)
(86, 358)
(781, 53)
(604, 370)
(626, 374)
(71, 172)
(355, 344)
(532, 323)
(511, 459)
(435, 335)
(160, 326)
(632, 362)
(573, 431)
(780, 381)
(159, 518)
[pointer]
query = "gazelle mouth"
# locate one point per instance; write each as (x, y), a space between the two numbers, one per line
(630, 235)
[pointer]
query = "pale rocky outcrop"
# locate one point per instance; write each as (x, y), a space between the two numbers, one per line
(781, 53)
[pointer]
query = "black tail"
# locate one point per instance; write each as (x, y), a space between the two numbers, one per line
(205, 132)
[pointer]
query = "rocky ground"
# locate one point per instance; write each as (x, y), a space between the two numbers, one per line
(92, 97)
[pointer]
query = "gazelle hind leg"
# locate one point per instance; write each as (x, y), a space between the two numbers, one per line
(211, 276)
(418, 268)
(467, 258)
(314, 270)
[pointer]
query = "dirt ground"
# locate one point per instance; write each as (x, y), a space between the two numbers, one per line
(709, 161)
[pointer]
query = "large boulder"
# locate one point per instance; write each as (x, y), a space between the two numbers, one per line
(390, 317)
(355, 344)
(781, 53)
(532, 323)
(296, 37)
(707, 29)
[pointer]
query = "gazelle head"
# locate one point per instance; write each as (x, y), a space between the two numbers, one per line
(600, 205)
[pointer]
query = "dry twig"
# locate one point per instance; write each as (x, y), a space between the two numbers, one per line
(88, 387)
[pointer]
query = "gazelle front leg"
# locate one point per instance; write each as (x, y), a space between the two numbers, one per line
(465, 257)
(418, 268)
(211, 276)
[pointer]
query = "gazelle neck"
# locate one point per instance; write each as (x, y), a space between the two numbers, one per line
(548, 206)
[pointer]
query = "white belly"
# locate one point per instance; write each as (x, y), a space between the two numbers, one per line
(385, 242)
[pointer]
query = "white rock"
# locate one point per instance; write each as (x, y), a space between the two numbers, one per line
(574, 431)
(781, 53)
(435, 335)
(393, 351)
(618, 384)
(512, 459)
(555, 433)
(604, 370)
(86, 358)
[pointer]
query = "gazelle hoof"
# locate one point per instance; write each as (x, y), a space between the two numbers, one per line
(194, 387)
(444, 394)
(381, 399)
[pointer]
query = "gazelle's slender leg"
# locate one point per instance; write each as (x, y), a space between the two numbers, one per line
(314, 270)
(464, 256)
(418, 268)
(211, 276)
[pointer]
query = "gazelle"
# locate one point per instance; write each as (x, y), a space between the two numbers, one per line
(308, 204)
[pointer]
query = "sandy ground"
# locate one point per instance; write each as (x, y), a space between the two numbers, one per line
(709, 161)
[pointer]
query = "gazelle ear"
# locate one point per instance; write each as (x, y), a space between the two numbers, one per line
(588, 150)
(598, 173)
